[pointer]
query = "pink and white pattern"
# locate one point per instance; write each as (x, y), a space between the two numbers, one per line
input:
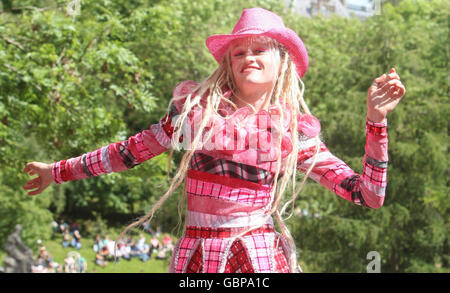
(233, 192)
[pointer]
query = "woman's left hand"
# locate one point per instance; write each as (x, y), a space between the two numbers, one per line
(384, 95)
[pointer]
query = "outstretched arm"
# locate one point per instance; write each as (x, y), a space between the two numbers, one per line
(115, 157)
(367, 189)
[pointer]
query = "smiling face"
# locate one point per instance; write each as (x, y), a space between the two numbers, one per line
(255, 63)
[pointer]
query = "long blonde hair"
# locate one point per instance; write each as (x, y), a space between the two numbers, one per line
(287, 90)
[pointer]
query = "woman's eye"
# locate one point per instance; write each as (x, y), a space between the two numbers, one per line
(256, 52)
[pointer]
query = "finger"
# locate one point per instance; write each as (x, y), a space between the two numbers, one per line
(393, 75)
(377, 83)
(388, 85)
(399, 92)
(390, 91)
(37, 191)
(32, 183)
(27, 168)
(34, 192)
(396, 91)
(379, 80)
(30, 186)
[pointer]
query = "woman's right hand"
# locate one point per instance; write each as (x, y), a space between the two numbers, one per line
(44, 179)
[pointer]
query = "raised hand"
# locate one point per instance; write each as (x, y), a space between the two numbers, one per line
(44, 179)
(383, 96)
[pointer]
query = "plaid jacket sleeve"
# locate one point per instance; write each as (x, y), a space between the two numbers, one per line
(365, 189)
(119, 156)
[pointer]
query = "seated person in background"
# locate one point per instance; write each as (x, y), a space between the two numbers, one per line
(111, 249)
(80, 264)
(44, 257)
(106, 240)
(62, 226)
(76, 239)
(124, 251)
(162, 254)
(134, 249)
(144, 250)
(141, 241)
(74, 227)
(55, 228)
(101, 257)
(154, 245)
(69, 264)
(110, 245)
(167, 242)
(98, 243)
(66, 237)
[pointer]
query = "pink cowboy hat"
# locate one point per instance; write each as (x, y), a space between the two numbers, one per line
(261, 22)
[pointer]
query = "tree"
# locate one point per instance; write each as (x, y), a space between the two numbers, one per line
(411, 230)
(71, 84)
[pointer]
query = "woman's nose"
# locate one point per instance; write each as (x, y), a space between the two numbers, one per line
(249, 57)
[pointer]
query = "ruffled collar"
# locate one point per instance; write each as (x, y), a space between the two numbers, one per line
(243, 136)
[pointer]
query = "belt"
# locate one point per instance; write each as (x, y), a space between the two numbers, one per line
(207, 232)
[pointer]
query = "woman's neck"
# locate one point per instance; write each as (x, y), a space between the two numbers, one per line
(259, 100)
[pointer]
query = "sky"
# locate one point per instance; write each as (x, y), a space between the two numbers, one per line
(358, 2)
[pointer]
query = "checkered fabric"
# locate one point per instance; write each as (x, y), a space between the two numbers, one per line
(207, 232)
(224, 193)
(61, 171)
(376, 128)
(367, 189)
(196, 262)
(216, 201)
(231, 189)
(227, 168)
(183, 252)
(218, 250)
(115, 157)
(238, 260)
(92, 162)
(281, 262)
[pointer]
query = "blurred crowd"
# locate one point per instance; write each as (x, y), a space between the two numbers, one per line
(73, 263)
(104, 248)
(129, 248)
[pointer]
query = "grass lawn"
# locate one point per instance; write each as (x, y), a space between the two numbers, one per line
(135, 265)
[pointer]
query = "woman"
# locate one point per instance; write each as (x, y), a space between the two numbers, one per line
(246, 130)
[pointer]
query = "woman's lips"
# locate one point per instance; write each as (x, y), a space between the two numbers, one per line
(249, 68)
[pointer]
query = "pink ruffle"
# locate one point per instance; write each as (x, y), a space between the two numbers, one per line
(247, 137)
(308, 124)
(242, 136)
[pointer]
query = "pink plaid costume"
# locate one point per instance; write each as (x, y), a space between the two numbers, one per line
(229, 191)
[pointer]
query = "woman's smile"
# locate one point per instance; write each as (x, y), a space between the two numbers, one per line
(250, 68)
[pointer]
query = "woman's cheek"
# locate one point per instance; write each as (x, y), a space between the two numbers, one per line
(233, 66)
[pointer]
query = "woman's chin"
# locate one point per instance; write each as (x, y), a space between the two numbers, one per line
(252, 80)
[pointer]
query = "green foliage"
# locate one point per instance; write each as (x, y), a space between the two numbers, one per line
(135, 265)
(411, 231)
(71, 84)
